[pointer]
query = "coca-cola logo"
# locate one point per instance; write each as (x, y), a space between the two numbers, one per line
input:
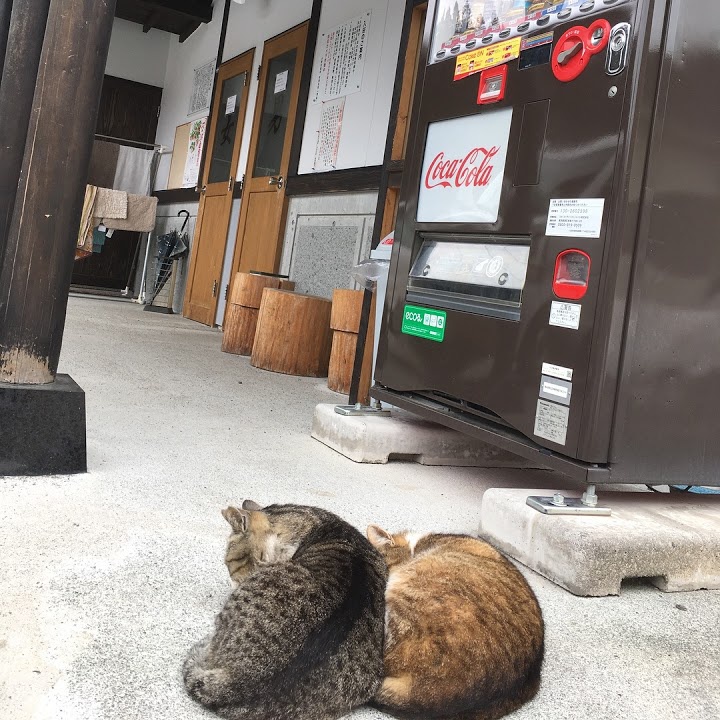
(474, 170)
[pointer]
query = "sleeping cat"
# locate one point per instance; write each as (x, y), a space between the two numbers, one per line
(464, 636)
(301, 636)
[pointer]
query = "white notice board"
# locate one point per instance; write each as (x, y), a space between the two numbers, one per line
(342, 53)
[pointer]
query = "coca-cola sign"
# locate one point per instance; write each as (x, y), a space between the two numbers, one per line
(464, 168)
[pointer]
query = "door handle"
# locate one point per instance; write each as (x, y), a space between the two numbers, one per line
(215, 287)
(203, 189)
(279, 181)
(231, 183)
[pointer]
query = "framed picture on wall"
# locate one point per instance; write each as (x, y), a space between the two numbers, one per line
(201, 95)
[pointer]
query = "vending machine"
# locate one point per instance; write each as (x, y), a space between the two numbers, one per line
(555, 281)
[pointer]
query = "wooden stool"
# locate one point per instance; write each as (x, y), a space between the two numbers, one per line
(293, 334)
(242, 310)
(345, 324)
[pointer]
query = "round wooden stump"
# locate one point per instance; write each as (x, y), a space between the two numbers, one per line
(345, 324)
(293, 334)
(241, 314)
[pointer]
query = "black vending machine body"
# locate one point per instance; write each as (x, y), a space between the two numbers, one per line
(554, 286)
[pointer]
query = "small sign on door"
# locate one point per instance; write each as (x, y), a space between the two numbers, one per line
(230, 105)
(281, 81)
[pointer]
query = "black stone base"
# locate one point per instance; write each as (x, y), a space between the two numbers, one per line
(42, 428)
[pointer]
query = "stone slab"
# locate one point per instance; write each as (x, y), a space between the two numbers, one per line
(673, 540)
(403, 436)
(42, 428)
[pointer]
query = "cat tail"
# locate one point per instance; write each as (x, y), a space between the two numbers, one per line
(208, 686)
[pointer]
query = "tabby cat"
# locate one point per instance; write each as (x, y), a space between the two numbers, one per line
(464, 634)
(301, 636)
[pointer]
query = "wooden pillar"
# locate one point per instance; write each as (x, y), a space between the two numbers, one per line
(5, 10)
(39, 254)
(26, 27)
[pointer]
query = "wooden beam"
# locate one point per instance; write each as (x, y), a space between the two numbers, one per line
(150, 21)
(17, 88)
(40, 251)
(191, 8)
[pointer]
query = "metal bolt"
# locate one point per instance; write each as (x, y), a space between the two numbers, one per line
(558, 499)
(612, 92)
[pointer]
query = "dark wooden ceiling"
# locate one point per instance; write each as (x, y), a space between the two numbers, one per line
(180, 17)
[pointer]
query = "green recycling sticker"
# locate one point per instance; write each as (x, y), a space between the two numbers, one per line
(424, 323)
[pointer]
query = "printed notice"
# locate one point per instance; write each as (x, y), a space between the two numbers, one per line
(556, 390)
(328, 142)
(565, 315)
(230, 105)
(202, 88)
(575, 218)
(551, 421)
(557, 371)
(340, 59)
(281, 81)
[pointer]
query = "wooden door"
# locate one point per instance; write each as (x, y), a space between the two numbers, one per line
(264, 206)
(213, 222)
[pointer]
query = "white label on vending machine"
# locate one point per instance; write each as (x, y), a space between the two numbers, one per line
(463, 169)
(551, 421)
(565, 315)
(575, 217)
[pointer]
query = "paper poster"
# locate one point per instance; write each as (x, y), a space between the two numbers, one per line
(231, 105)
(341, 59)
(465, 25)
(194, 155)
(487, 57)
(281, 81)
(463, 168)
(328, 142)
(202, 88)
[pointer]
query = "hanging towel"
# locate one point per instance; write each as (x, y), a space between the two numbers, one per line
(142, 210)
(86, 219)
(111, 204)
(103, 164)
(133, 170)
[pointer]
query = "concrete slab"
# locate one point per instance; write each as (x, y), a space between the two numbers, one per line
(673, 540)
(403, 436)
(107, 578)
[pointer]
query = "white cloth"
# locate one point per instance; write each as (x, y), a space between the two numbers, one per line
(133, 170)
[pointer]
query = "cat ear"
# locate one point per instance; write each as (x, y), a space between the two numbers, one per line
(379, 537)
(250, 505)
(238, 519)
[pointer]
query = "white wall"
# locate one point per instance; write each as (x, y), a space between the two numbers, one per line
(249, 25)
(365, 120)
(135, 55)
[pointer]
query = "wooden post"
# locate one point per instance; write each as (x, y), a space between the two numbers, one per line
(40, 249)
(26, 27)
(5, 10)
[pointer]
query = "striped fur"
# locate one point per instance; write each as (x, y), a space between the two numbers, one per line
(464, 631)
(301, 637)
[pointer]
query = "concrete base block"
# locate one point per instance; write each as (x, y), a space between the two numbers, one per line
(42, 429)
(403, 436)
(673, 540)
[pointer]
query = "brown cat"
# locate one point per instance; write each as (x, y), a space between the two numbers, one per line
(464, 634)
(301, 636)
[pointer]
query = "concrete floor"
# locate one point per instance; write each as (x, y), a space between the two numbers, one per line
(106, 579)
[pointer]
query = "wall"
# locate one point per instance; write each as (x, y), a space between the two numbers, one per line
(325, 237)
(135, 55)
(249, 25)
(365, 120)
